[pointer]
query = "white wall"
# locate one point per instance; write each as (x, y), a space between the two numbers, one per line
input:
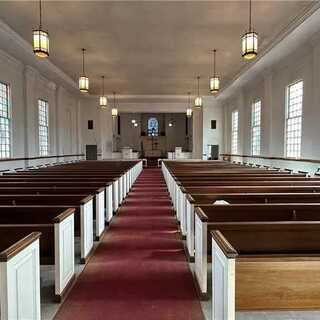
(212, 110)
(27, 85)
(102, 126)
(270, 87)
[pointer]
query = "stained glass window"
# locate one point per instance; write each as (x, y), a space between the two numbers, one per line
(153, 127)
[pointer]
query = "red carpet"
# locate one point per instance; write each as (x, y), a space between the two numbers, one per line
(139, 271)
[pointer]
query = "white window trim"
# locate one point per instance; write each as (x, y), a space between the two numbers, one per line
(48, 128)
(286, 118)
(253, 105)
(236, 149)
(9, 118)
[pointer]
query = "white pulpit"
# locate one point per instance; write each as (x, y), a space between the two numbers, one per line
(178, 153)
(126, 153)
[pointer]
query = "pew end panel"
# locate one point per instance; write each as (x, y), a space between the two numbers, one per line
(20, 279)
(115, 195)
(109, 205)
(200, 260)
(64, 253)
(86, 222)
(223, 281)
(100, 214)
(190, 227)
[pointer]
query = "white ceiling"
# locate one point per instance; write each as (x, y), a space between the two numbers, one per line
(151, 47)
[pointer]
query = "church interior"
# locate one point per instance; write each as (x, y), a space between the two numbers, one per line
(159, 160)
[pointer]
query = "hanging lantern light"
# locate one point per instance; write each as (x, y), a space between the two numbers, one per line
(103, 98)
(189, 109)
(214, 82)
(114, 110)
(83, 79)
(198, 99)
(250, 41)
(40, 39)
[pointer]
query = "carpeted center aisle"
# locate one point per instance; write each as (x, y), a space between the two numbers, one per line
(139, 271)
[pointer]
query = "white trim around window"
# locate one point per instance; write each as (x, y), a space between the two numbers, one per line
(5, 121)
(256, 128)
(234, 131)
(43, 116)
(293, 125)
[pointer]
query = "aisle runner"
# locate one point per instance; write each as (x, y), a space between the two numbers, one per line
(139, 271)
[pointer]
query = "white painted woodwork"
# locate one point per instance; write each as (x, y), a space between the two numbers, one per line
(20, 285)
(115, 195)
(64, 253)
(120, 189)
(86, 211)
(109, 206)
(190, 227)
(100, 213)
(201, 267)
(223, 285)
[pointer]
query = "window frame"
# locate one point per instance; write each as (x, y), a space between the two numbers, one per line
(47, 126)
(234, 147)
(9, 118)
(287, 118)
(255, 126)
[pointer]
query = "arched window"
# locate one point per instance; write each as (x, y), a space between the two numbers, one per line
(153, 127)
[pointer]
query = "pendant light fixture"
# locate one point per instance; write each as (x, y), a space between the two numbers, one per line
(250, 41)
(40, 39)
(114, 110)
(103, 98)
(214, 81)
(189, 109)
(198, 99)
(83, 79)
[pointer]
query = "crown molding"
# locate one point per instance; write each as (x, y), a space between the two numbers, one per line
(44, 66)
(7, 59)
(299, 31)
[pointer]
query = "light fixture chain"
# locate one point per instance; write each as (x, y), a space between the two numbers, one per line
(40, 9)
(249, 15)
(83, 50)
(214, 62)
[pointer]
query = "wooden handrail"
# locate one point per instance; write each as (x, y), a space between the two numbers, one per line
(64, 215)
(271, 158)
(17, 247)
(224, 244)
(47, 157)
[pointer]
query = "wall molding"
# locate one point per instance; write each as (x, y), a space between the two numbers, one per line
(296, 33)
(42, 158)
(270, 158)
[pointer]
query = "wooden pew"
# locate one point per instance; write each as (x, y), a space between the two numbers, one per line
(181, 201)
(264, 266)
(99, 194)
(80, 202)
(119, 182)
(19, 253)
(216, 216)
(83, 219)
(57, 238)
(68, 184)
(195, 200)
